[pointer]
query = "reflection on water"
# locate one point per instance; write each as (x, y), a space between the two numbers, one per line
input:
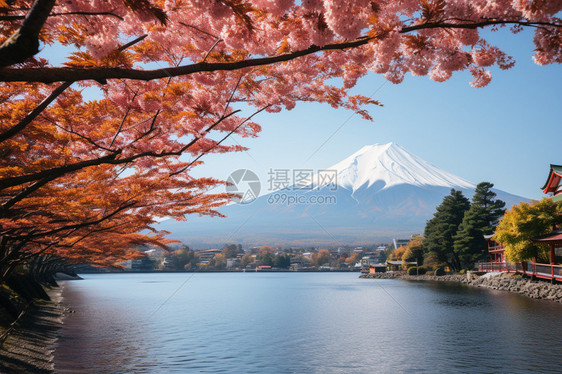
(301, 323)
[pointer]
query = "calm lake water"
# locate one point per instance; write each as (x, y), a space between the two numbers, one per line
(301, 323)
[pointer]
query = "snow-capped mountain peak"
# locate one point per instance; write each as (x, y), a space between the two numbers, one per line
(392, 165)
(404, 191)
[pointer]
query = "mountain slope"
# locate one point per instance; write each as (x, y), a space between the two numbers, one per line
(382, 192)
(392, 165)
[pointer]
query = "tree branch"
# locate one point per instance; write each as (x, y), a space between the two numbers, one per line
(15, 18)
(82, 224)
(45, 103)
(111, 159)
(70, 131)
(49, 75)
(218, 143)
(198, 29)
(55, 172)
(34, 113)
(26, 192)
(24, 43)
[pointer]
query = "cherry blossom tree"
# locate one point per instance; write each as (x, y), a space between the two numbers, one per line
(81, 175)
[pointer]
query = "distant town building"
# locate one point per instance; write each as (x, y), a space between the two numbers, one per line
(297, 263)
(377, 268)
(399, 242)
(394, 265)
(371, 258)
(399, 265)
(166, 264)
(232, 263)
(207, 255)
(358, 250)
(143, 264)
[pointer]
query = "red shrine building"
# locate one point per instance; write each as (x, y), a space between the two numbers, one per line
(553, 186)
(498, 262)
(496, 250)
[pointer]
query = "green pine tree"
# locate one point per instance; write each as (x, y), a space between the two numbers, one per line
(469, 243)
(493, 208)
(481, 219)
(440, 230)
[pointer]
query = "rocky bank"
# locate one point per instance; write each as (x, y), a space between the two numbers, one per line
(536, 289)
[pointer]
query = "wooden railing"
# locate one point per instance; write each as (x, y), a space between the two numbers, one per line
(532, 269)
(545, 271)
(496, 248)
(497, 266)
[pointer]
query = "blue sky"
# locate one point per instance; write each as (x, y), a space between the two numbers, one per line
(506, 133)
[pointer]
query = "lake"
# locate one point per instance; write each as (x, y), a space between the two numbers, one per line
(300, 323)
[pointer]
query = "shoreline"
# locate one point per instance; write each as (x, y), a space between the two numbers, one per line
(30, 347)
(535, 289)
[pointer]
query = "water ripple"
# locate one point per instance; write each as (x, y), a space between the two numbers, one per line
(301, 323)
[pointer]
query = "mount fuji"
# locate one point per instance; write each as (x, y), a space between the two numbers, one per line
(378, 193)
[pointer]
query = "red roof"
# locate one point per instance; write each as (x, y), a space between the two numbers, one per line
(553, 180)
(550, 238)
